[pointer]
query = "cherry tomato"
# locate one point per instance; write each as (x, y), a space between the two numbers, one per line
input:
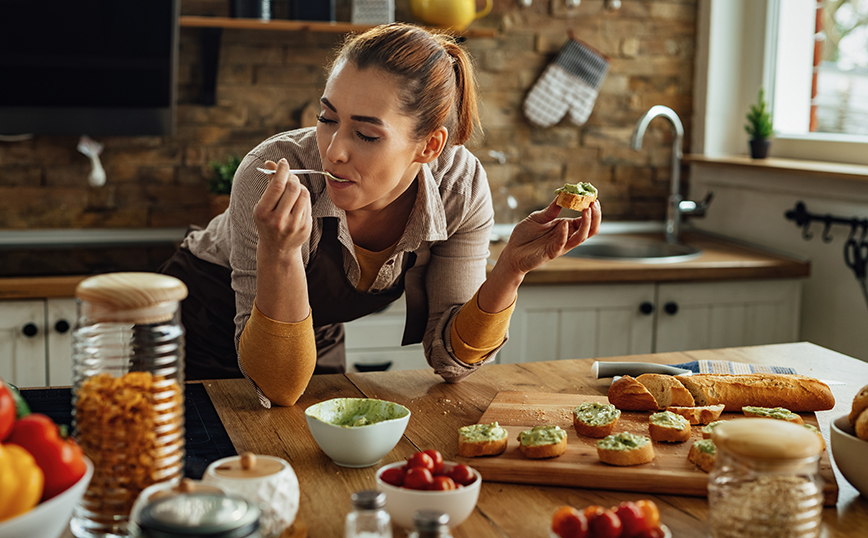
(605, 525)
(418, 478)
(437, 458)
(632, 519)
(461, 474)
(443, 483)
(421, 459)
(592, 511)
(656, 532)
(652, 513)
(569, 523)
(394, 476)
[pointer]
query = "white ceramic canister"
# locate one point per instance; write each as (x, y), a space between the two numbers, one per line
(268, 481)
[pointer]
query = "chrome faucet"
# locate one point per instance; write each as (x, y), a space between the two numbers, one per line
(676, 206)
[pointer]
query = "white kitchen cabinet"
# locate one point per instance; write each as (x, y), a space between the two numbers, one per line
(604, 320)
(374, 342)
(36, 341)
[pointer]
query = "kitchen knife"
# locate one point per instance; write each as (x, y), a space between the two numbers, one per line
(602, 369)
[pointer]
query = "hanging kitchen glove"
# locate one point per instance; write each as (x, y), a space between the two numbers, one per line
(570, 83)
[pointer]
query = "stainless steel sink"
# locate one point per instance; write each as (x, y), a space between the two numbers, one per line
(634, 249)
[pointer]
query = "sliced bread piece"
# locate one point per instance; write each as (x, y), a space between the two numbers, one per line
(627, 394)
(709, 428)
(482, 440)
(778, 413)
(667, 427)
(547, 441)
(593, 419)
(666, 390)
(625, 449)
(698, 414)
(703, 453)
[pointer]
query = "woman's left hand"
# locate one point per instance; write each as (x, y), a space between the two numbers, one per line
(542, 237)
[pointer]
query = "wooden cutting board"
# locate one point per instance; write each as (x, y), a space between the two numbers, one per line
(579, 466)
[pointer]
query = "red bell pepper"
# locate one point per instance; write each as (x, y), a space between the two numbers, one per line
(59, 457)
(8, 410)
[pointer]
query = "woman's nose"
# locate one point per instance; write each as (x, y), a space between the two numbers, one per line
(337, 149)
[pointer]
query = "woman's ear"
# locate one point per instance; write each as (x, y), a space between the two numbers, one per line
(434, 144)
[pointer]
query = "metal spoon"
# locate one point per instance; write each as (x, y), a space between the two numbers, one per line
(268, 172)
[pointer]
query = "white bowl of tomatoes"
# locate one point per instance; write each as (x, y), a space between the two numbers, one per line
(426, 482)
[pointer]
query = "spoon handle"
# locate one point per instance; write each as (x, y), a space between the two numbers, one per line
(268, 172)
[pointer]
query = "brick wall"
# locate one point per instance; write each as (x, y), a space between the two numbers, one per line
(267, 78)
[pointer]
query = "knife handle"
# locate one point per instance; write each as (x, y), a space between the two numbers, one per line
(611, 369)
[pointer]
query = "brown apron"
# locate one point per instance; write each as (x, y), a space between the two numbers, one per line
(208, 311)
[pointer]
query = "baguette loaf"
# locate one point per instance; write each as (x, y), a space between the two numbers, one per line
(628, 394)
(625, 449)
(860, 403)
(698, 414)
(794, 392)
(666, 390)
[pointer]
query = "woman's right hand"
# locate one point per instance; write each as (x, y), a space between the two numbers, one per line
(282, 215)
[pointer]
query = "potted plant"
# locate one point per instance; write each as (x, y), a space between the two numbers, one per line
(759, 127)
(220, 183)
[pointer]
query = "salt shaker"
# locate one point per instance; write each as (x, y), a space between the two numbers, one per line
(430, 524)
(368, 519)
(765, 482)
(127, 393)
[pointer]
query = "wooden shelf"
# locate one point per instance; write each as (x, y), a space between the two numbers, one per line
(813, 168)
(300, 26)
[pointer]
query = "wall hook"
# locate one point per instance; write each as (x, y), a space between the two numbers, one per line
(806, 231)
(827, 236)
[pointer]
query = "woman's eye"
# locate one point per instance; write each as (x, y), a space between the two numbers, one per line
(367, 138)
(322, 119)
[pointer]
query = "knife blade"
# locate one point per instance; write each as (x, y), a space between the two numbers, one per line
(602, 369)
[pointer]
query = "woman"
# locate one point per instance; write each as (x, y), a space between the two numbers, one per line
(406, 210)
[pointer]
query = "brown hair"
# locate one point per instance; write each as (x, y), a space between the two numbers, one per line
(438, 83)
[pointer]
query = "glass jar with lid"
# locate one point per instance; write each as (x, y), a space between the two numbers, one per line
(212, 515)
(765, 482)
(127, 393)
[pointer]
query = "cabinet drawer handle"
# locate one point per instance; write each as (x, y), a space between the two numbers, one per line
(646, 308)
(671, 308)
(62, 326)
(30, 330)
(372, 367)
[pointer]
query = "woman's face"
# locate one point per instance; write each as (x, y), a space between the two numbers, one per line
(364, 139)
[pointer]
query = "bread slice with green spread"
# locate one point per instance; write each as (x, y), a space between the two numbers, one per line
(703, 414)
(708, 429)
(703, 453)
(594, 419)
(667, 427)
(482, 440)
(547, 441)
(778, 413)
(624, 449)
(578, 196)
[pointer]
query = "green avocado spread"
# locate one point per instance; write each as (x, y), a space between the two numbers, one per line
(355, 412)
(622, 441)
(596, 414)
(772, 412)
(706, 445)
(581, 189)
(476, 433)
(542, 435)
(708, 428)
(668, 419)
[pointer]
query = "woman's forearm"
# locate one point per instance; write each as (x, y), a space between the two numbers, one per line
(498, 291)
(281, 286)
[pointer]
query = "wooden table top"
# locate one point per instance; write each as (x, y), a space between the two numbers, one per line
(439, 409)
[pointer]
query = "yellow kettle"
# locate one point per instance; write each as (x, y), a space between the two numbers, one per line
(453, 14)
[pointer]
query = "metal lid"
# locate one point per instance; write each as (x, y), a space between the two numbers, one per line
(199, 514)
(430, 521)
(369, 500)
(766, 439)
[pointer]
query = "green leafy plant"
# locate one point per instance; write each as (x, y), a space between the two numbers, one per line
(759, 121)
(224, 172)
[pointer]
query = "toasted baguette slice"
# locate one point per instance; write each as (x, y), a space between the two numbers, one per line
(543, 442)
(594, 419)
(818, 432)
(576, 196)
(791, 391)
(666, 390)
(703, 453)
(667, 427)
(698, 414)
(708, 429)
(862, 425)
(482, 440)
(860, 403)
(778, 413)
(627, 394)
(624, 449)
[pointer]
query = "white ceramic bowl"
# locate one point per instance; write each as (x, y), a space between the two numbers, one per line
(357, 445)
(402, 503)
(850, 453)
(50, 518)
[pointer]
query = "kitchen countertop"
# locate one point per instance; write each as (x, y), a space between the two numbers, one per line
(721, 259)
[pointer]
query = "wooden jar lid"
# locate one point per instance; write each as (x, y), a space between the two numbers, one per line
(131, 297)
(766, 439)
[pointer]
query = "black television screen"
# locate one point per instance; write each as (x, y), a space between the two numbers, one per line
(96, 67)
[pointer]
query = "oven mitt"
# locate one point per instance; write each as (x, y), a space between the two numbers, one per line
(570, 83)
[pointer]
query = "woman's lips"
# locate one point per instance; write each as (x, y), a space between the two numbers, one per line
(336, 178)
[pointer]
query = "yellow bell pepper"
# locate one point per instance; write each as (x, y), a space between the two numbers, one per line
(21, 481)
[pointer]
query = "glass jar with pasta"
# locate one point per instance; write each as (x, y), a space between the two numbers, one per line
(127, 393)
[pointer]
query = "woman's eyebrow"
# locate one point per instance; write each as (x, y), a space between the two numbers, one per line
(367, 119)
